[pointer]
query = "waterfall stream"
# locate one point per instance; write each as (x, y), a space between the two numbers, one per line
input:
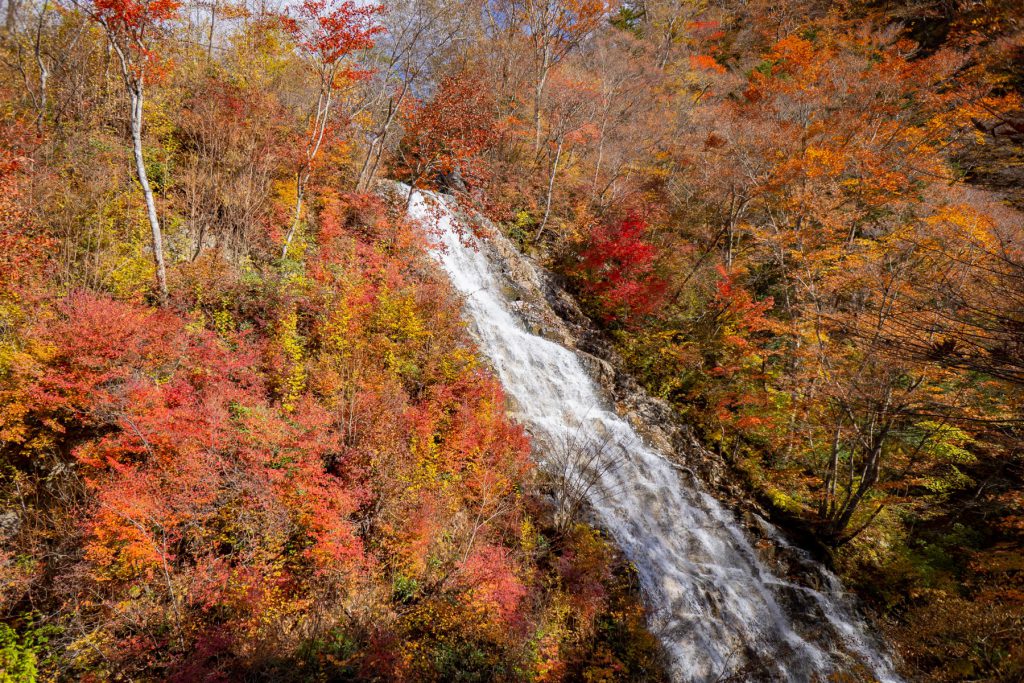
(715, 605)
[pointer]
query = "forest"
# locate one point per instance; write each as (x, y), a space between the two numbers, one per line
(246, 433)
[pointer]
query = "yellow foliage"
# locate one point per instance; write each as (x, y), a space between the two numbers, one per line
(824, 162)
(967, 221)
(130, 269)
(294, 374)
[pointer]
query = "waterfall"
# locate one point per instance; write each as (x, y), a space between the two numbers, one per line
(716, 607)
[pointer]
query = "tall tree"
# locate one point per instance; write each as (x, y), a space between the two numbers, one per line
(132, 27)
(446, 136)
(553, 28)
(327, 33)
(418, 34)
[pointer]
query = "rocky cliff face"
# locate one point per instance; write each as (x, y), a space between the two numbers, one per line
(548, 310)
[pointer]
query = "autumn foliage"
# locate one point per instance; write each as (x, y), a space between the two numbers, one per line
(266, 473)
(134, 19)
(244, 433)
(331, 31)
(446, 136)
(617, 269)
(284, 474)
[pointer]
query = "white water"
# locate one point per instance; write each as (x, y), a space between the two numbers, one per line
(715, 606)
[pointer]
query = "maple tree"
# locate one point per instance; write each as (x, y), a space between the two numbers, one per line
(617, 268)
(327, 32)
(446, 137)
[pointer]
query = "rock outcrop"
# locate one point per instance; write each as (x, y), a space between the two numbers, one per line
(548, 310)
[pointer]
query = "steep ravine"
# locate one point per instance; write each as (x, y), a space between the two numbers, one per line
(727, 595)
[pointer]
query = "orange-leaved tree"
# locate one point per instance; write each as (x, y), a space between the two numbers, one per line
(326, 33)
(447, 135)
(552, 28)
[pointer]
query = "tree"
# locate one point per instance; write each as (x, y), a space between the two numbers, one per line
(132, 27)
(571, 123)
(617, 269)
(552, 28)
(446, 136)
(326, 32)
(967, 312)
(418, 34)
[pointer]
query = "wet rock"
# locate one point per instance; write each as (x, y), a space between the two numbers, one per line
(540, 299)
(600, 370)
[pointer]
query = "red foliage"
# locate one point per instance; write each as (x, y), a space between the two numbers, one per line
(131, 26)
(233, 512)
(330, 31)
(181, 429)
(449, 132)
(99, 347)
(743, 312)
(617, 270)
(488, 575)
(134, 17)
(22, 247)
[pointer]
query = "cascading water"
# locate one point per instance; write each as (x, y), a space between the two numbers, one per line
(715, 606)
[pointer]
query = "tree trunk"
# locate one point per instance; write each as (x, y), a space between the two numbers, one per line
(868, 479)
(135, 92)
(825, 509)
(299, 190)
(376, 151)
(12, 16)
(551, 190)
(538, 97)
(538, 93)
(323, 113)
(44, 72)
(209, 35)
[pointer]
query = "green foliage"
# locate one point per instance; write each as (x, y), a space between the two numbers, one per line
(764, 68)
(20, 653)
(945, 444)
(628, 18)
(404, 589)
(463, 662)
